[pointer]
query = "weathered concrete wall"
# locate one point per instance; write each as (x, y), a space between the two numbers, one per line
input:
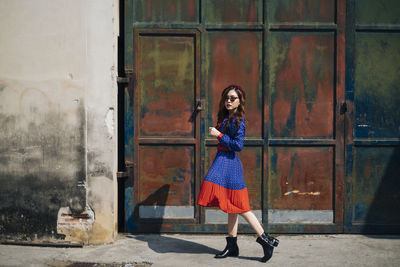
(57, 135)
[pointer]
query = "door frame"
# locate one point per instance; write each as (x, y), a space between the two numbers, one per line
(197, 224)
(162, 224)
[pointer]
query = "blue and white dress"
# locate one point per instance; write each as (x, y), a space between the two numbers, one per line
(224, 186)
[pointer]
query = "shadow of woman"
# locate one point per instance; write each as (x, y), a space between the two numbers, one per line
(168, 244)
(152, 223)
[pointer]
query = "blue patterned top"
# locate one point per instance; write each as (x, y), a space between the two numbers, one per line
(233, 138)
(227, 169)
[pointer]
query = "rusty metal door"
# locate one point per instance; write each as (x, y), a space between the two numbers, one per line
(289, 57)
(373, 143)
(305, 152)
(167, 136)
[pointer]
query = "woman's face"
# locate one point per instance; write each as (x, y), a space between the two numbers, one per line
(232, 101)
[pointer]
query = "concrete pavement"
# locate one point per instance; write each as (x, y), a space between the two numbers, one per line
(198, 250)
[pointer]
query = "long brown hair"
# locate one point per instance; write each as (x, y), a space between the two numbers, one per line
(238, 115)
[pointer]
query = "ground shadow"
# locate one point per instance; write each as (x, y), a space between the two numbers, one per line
(161, 243)
(168, 244)
(383, 215)
(158, 199)
(249, 258)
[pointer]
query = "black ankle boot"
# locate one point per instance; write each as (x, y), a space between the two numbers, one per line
(231, 248)
(268, 243)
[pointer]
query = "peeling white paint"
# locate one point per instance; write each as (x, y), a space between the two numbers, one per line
(68, 222)
(302, 193)
(109, 120)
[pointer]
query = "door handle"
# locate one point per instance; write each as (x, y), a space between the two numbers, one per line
(198, 108)
(343, 108)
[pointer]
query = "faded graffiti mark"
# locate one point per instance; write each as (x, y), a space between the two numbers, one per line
(33, 102)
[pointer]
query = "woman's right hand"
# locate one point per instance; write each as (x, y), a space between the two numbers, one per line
(213, 131)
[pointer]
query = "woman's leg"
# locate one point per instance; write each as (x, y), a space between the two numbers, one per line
(268, 243)
(232, 224)
(231, 248)
(254, 223)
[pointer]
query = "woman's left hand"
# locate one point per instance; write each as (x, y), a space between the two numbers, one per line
(213, 131)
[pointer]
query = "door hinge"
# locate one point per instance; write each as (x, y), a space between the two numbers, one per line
(122, 79)
(122, 175)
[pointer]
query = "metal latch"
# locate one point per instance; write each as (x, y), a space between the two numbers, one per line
(343, 108)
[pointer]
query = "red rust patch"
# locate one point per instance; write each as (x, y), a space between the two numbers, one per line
(305, 81)
(304, 179)
(163, 165)
(235, 60)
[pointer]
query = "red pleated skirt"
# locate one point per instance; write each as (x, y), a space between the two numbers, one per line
(228, 200)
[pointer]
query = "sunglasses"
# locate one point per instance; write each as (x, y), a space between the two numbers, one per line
(231, 98)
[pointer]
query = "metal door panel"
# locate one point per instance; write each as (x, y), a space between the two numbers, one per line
(372, 12)
(375, 186)
(167, 147)
(252, 159)
(233, 11)
(171, 11)
(377, 82)
(373, 145)
(289, 57)
(167, 90)
(171, 165)
(305, 130)
(302, 11)
(235, 58)
(166, 165)
(303, 192)
(302, 85)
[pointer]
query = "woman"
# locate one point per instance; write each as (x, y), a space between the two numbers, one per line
(224, 186)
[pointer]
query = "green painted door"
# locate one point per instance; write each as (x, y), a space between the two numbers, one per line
(373, 91)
